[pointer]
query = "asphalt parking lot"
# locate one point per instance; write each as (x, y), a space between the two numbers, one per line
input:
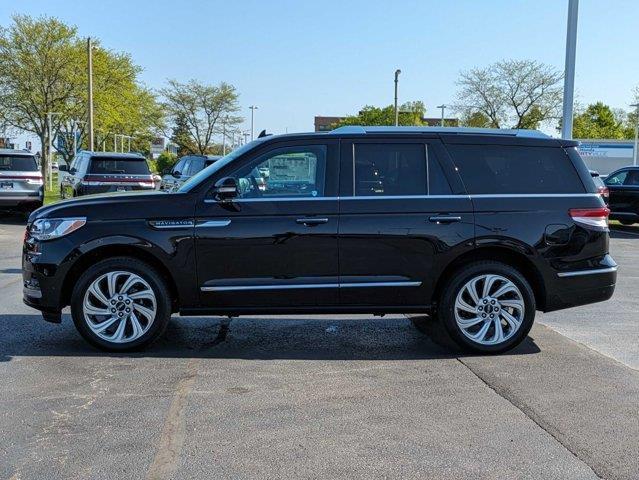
(321, 397)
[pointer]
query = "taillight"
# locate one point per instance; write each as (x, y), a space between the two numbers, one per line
(592, 217)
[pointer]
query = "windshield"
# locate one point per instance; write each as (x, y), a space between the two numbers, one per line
(211, 169)
(118, 165)
(18, 163)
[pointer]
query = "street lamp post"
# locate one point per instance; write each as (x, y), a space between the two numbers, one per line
(49, 156)
(443, 107)
(90, 91)
(397, 72)
(569, 74)
(253, 108)
(634, 150)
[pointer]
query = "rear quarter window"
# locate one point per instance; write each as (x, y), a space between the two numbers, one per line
(513, 169)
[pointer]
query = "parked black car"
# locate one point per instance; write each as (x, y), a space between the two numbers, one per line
(184, 169)
(102, 172)
(478, 228)
(623, 185)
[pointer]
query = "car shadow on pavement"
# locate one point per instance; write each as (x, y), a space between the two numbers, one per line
(624, 231)
(12, 219)
(249, 338)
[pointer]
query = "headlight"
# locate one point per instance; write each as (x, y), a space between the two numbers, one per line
(50, 228)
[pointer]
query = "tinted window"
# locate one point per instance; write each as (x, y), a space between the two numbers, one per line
(617, 179)
(498, 169)
(437, 183)
(286, 172)
(632, 179)
(197, 164)
(18, 163)
(117, 165)
(390, 169)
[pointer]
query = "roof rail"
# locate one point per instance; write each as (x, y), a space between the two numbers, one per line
(356, 129)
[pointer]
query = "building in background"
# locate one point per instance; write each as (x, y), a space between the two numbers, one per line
(325, 124)
(605, 156)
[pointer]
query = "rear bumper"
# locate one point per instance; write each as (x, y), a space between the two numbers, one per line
(581, 287)
(21, 199)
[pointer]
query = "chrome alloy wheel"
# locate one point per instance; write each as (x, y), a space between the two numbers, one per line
(489, 309)
(119, 307)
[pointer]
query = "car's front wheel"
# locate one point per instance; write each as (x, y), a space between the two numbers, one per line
(487, 307)
(121, 304)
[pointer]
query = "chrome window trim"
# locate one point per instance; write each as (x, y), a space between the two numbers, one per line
(231, 288)
(413, 197)
(578, 273)
(213, 223)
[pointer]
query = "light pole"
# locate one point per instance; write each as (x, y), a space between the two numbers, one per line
(50, 153)
(634, 150)
(397, 72)
(90, 91)
(569, 74)
(253, 108)
(443, 107)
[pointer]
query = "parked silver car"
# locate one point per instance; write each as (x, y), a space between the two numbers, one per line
(21, 186)
(184, 169)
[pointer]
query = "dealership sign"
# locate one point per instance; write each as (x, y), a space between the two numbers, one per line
(610, 150)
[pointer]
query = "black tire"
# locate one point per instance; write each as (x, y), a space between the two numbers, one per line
(139, 268)
(446, 307)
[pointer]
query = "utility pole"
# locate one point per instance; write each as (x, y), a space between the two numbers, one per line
(253, 108)
(397, 72)
(443, 107)
(49, 156)
(90, 103)
(224, 135)
(634, 150)
(569, 74)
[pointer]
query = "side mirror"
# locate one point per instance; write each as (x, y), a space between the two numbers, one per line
(176, 174)
(72, 171)
(63, 168)
(225, 189)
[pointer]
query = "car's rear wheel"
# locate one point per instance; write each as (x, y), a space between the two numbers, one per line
(121, 304)
(487, 307)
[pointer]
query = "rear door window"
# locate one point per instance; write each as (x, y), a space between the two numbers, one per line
(397, 169)
(510, 169)
(617, 178)
(118, 166)
(18, 163)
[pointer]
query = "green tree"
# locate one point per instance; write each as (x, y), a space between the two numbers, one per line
(43, 69)
(476, 119)
(598, 120)
(181, 137)
(165, 161)
(511, 93)
(202, 109)
(410, 114)
(37, 68)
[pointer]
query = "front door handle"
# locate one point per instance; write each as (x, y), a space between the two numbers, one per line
(309, 222)
(444, 219)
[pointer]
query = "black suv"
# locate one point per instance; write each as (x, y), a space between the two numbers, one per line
(478, 228)
(102, 172)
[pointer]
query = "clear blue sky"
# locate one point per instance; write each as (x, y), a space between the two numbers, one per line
(297, 59)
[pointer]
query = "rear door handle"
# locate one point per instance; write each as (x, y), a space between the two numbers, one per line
(444, 219)
(309, 222)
